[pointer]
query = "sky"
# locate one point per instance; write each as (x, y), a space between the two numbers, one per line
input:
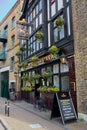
(5, 6)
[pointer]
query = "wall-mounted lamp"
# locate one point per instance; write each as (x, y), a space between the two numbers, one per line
(63, 59)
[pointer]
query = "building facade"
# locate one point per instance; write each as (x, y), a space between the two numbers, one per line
(9, 45)
(70, 39)
(42, 16)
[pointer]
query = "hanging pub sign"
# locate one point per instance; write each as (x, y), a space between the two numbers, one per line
(65, 107)
(22, 29)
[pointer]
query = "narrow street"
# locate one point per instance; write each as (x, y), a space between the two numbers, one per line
(23, 116)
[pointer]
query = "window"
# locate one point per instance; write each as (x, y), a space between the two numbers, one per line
(60, 4)
(65, 83)
(12, 63)
(68, 21)
(13, 40)
(56, 75)
(59, 8)
(58, 35)
(13, 22)
(53, 9)
(35, 16)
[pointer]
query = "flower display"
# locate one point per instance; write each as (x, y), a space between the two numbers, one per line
(53, 50)
(39, 36)
(59, 23)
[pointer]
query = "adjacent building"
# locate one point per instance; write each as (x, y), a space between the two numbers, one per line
(9, 45)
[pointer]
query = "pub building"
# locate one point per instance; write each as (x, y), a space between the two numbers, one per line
(41, 15)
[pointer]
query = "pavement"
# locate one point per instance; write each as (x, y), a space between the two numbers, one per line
(24, 116)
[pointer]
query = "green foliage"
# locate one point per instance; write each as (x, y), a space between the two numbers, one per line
(34, 60)
(59, 23)
(47, 75)
(22, 65)
(53, 50)
(25, 78)
(39, 36)
(50, 89)
(22, 48)
(18, 54)
(36, 76)
(27, 88)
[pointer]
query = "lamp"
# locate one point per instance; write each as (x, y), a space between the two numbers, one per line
(63, 59)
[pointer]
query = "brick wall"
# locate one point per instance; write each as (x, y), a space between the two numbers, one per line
(79, 12)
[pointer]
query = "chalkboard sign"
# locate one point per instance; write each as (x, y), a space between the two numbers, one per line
(66, 108)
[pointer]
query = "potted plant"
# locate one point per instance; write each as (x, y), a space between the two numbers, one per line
(52, 89)
(47, 75)
(22, 48)
(59, 23)
(18, 54)
(22, 65)
(53, 50)
(36, 77)
(34, 60)
(42, 89)
(27, 88)
(39, 36)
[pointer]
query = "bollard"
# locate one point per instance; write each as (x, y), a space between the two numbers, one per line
(5, 107)
(8, 108)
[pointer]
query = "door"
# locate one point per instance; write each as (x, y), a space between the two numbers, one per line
(5, 84)
(72, 81)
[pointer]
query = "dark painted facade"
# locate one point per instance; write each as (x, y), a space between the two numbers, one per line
(41, 15)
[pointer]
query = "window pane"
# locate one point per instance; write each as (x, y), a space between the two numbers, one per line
(60, 4)
(36, 9)
(40, 18)
(64, 67)
(55, 35)
(65, 83)
(55, 68)
(41, 45)
(62, 33)
(36, 22)
(56, 80)
(68, 21)
(53, 9)
(40, 5)
(34, 13)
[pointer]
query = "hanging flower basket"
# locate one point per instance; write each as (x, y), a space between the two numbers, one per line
(18, 54)
(23, 65)
(25, 78)
(39, 36)
(47, 75)
(34, 60)
(59, 23)
(53, 50)
(22, 48)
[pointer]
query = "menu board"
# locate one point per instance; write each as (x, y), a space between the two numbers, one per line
(66, 106)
